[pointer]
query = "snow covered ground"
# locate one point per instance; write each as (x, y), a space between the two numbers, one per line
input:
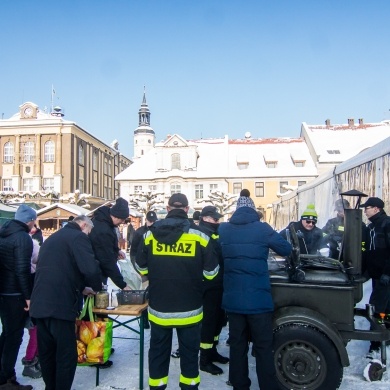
(124, 372)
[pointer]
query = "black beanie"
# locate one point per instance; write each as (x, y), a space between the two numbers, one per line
(120, 209)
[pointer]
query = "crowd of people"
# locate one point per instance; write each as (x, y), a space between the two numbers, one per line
(202, 273)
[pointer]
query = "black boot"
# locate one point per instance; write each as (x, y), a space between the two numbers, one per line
(216, 357)
(205, 363)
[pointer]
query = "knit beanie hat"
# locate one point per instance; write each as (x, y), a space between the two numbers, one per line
(25, 214)
(245, 201)
(120, 209)
(310, 213)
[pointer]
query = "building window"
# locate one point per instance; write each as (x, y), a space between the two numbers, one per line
(48, 184)
(282, 190)
(109, 167)
(242, 165)
(237, 187)
(175, 161)
(175, 189)
(81, 155)
(137, 189)
(271, 164)
(81, 185)
(213, 187)
(95, 161)
(94, 189)
(301, 183)
(333, 151)
(7, 185)
(49, 151)
(28, 152)
(153, 188)
(299, 164)
(28, 185)
(9, 152)
(259, 189)
(107, 192)
(198, 191)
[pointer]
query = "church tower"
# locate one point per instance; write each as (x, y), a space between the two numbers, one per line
(144, 137)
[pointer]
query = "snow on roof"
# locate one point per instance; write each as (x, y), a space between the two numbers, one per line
(223, 158)
(337, 143)
(71, 208)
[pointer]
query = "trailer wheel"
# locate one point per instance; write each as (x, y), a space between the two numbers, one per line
(306, 359)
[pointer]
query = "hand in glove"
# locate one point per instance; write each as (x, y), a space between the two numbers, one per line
(385, 280)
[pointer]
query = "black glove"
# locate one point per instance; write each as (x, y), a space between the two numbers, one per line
(385, 280)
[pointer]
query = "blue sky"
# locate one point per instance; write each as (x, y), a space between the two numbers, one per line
(211, 67)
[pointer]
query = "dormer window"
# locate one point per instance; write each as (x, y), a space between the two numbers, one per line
(175, 161)
(299, 164)
(242, 165)
(271, 164)
(242, 162)
(271, 161)
(298, 160)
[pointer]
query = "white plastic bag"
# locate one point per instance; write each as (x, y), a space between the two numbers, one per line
(130, 275)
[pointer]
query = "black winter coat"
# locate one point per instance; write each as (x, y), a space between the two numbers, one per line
(105, 245)
(66, 265)
(310, 241)
(15, 259)
(211, 229)
(378, 245)
(137, 241)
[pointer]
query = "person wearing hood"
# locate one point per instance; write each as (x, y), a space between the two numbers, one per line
(105, 240)
(16, 248)
(247, 299)
(377, 256)
(310, 237)
(176, 256)
(151, 218)
(214, 316)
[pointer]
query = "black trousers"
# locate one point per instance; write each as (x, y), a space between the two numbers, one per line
(260, 328)
(213, 317)
(13, 317)
(380, 297)
(57, 352)
(160, 352)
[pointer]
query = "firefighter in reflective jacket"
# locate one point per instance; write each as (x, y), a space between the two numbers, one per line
(176, 256)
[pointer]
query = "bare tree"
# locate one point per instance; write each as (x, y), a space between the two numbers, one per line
(224, 202)
(146, 201)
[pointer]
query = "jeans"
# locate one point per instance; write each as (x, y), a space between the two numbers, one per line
(258, 327)
(13, 317)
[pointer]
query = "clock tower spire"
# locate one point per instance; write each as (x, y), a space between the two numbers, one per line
(144, 136)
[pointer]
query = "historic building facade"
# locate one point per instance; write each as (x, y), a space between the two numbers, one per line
(41, 151)
(267, 167)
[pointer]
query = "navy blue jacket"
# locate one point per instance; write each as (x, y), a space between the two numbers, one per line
(245, 243)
